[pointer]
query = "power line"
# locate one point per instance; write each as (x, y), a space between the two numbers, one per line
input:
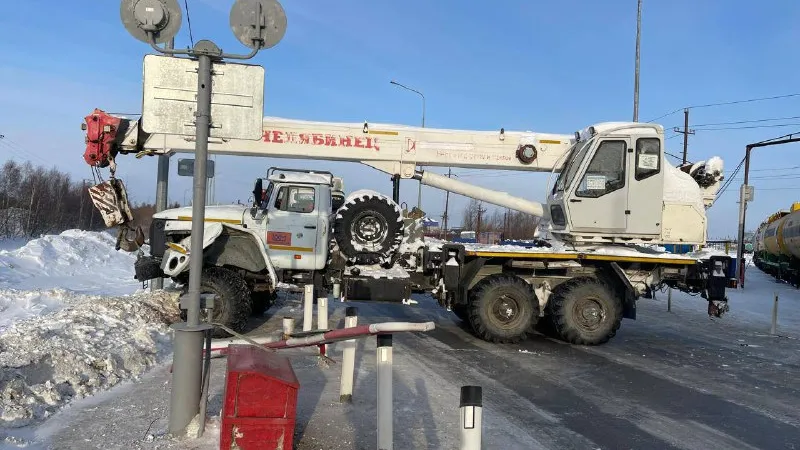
(734, 102)
(747, 121)
(728, 182)
(750, 127)
(189, 22)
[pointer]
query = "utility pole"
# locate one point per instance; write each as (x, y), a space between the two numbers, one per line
(80, 199)
(479, 220)
(505, 224)
(446, 203)
(746, 195)
(685, 132)
(636, 76)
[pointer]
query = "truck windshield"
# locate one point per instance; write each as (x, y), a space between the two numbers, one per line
(573, 163)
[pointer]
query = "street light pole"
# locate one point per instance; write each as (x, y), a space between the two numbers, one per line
(636, 76)
(419, 191)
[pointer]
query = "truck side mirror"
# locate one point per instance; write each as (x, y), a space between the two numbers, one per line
(258, 192)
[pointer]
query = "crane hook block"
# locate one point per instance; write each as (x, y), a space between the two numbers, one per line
(101, 133)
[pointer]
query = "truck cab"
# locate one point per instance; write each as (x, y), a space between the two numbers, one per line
(286, 229)
(292, 215)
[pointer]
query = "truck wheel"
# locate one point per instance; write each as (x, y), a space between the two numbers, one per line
(585, 311)
(502, 308)
(233, 304)
(369, 225)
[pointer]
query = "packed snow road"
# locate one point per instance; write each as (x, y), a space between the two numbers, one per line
(669, 380)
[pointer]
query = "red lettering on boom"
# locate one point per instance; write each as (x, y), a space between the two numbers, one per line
(320, 139)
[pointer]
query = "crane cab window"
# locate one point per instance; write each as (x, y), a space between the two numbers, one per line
(648, 157)
(606, 172)
(299, 199)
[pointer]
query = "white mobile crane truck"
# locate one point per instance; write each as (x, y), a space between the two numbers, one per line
(614, 200)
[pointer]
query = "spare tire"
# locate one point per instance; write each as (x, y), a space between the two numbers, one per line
(368, 228)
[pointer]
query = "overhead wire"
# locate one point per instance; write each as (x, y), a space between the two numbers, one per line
(734, 102)
(189, 22)
(738, 122)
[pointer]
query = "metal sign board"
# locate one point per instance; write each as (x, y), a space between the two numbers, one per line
(186, 168)
(170, 98)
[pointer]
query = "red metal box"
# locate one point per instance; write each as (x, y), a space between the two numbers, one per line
(260, 400)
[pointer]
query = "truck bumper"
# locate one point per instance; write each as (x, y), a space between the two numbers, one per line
(148, 268)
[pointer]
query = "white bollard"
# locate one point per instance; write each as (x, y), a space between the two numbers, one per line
(385, 431)
(322, 320)
(669, 299)
(322, 313)
(471, 406)
(774, 328)
(308, 307)
(337, 291)
(348, 358)
(288, 327)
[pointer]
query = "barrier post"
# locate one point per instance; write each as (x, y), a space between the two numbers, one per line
(384, 359)
(348, 358)
(322, 320)
(288, 327)
(308, 307)
(774, 328)
(669, 299)
(471, 407)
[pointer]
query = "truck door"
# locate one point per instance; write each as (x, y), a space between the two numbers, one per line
(598, 201)
(646, 191)
(292, 227)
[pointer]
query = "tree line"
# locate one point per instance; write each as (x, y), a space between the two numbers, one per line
(513, 224)
(35, 200)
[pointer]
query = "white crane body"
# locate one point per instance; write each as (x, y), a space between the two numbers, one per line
(614, 189)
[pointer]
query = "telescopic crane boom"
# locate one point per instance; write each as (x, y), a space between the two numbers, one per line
(616, 186)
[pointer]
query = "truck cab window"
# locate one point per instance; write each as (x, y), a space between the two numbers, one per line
(606, 172)
(648, 157)
(279, 199)
(300, 199)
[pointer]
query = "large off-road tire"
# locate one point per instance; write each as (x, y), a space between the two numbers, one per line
(368, 229)
(503, 309)
(233, 304)
(585, 311)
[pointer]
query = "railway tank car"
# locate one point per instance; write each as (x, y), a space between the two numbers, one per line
(776, 245)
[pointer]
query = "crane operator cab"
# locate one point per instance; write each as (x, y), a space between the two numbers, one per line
(616, 186)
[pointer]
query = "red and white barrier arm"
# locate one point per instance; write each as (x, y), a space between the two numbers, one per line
(220, 348)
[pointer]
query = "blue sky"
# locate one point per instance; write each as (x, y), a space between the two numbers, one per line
(522, 65)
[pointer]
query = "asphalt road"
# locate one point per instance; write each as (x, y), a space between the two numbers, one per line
(668, 380)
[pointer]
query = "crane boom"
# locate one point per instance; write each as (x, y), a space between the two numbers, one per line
(394, 149)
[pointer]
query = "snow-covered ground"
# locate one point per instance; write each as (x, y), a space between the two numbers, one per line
(69, 326)
(46, 274)
(69, 330)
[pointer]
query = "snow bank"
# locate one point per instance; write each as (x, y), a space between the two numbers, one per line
(78, 261)
(92, 345)
(46, 274)
(376, 271)
(19, 305)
